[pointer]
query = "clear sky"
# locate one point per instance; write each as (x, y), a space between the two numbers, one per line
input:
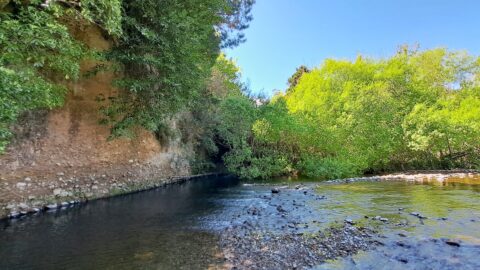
(285, 34)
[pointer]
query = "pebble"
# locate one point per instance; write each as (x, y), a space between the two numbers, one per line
(51, 206)
(14, 214)
(349, 221)
(23, 206)
(21, 185)
(452, 243)
(275, 190)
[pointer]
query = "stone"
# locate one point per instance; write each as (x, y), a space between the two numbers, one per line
(51, 206)
(452, 243)
(414, 214)
(14, 214)
(57, 191)
(60, 174)
(349, 221)
(27, 179)
(64, 204)
(275, 190)
(23, 206)
(11, 206)
(384, 219)
(21, 185)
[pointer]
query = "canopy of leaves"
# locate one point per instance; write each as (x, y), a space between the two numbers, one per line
(164, 50)
(417, 109)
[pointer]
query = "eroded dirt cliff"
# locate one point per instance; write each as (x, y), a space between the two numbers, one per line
(64, 154)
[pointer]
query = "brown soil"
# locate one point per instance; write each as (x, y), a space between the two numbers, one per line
(67, 147)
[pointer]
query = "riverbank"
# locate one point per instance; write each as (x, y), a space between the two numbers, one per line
(416, 176)
(28, 194)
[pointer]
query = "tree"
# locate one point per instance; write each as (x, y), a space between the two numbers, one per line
(295, 78)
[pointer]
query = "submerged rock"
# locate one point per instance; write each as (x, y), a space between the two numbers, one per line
(14, 214)
(453, 243)
(349, 221)
(51, 206)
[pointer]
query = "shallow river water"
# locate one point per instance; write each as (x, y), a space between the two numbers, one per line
(178, 227)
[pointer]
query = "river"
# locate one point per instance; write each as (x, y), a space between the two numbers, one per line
(180, 226)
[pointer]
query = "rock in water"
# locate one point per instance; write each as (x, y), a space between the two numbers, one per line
(51, 206)
(349, 221)
(14, 214)
(452, 243)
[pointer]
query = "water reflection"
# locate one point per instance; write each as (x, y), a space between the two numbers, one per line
(150, 230)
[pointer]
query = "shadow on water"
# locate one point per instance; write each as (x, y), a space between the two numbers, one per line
(148, 230)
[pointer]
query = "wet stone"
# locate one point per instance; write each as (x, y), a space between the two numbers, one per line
(349, 221)
(453, 243)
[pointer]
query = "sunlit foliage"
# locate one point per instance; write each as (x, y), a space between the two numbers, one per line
(415, 110)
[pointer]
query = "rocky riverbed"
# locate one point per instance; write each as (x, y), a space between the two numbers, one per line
(285, 228)
(246, 249)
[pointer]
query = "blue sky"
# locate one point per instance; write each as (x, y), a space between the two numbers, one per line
(288, 33)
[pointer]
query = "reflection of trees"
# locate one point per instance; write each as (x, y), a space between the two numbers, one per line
(384, 198)
(106, 234)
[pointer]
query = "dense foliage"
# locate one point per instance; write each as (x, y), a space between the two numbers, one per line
(163, 48)
(167, 53)
(413, 110)
(416, 109)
